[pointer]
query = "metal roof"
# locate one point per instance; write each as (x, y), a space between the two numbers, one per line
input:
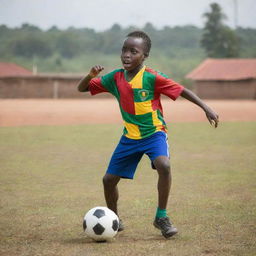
(12, 69)
(224, 69)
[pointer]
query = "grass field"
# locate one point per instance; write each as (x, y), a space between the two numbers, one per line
(50, 176)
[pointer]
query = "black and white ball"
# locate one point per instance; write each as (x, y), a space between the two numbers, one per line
(101, 224)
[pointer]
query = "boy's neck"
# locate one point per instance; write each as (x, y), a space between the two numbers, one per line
(129, 75)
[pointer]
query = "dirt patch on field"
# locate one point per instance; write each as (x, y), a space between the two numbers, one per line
(66, 112)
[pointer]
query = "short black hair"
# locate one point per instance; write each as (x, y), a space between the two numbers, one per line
(144, 36)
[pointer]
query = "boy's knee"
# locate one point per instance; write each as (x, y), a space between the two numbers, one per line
(110, 180)
(163, 166)
(165, 169)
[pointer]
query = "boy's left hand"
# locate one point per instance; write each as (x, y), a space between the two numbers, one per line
(212, 117)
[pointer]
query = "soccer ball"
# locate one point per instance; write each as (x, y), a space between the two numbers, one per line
(100, 223)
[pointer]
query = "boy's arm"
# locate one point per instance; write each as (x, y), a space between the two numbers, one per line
(84, 83)
(210, 114)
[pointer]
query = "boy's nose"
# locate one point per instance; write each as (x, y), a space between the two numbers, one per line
(126, 54)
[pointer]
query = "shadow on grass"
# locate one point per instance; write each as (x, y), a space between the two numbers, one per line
(121, 238)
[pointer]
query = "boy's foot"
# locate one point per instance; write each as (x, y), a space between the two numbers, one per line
(121, 226)
(165, 226)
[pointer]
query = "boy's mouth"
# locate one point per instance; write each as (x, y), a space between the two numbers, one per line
(126, 64)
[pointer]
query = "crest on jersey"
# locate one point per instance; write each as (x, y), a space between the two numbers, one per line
(143, 94)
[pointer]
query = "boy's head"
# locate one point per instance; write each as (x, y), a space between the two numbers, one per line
(146, 40)
(135, 50)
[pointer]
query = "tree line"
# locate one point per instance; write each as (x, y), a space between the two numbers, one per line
(29, 40)
(214, 40)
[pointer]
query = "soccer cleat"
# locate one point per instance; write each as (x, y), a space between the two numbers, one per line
(165, 226)
(121, 226)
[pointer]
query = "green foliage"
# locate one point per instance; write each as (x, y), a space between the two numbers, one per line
(218, 40)
(73, 42)
(175, 50)
(29, 47)
(247, 38)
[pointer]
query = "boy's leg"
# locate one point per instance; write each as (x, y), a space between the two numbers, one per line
(162, 164)
(162, 222)
(123, 164)
(110, 182)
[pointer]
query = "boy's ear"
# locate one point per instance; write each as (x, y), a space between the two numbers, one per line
(146, 54)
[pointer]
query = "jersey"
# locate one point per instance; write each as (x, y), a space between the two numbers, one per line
(139, 99)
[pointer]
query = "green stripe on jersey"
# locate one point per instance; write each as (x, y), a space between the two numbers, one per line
(149, 81)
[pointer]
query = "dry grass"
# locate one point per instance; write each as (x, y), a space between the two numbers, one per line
(50, 176)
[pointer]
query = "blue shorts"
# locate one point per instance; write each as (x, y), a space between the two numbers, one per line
(129, 152)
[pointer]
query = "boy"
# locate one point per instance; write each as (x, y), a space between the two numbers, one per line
(137, 89)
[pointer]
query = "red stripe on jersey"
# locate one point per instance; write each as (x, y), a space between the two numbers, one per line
(156, 103)
(96, 87)
(126, 93)
(168, 87)
(152, 71)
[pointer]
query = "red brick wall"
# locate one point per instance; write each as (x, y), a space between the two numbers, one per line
(59, 87)
(41, 87)
(245, 89)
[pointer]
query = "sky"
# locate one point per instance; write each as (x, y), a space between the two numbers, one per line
(102, 14)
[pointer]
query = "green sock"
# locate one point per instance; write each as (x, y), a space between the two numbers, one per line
(160, 213)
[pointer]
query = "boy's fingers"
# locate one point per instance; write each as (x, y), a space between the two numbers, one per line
(96, 70)
(210, 119)
(214, 122)
(100, 68)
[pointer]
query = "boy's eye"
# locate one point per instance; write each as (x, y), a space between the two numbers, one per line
(132, 51)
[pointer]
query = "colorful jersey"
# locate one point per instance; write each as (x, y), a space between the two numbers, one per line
(139, 99)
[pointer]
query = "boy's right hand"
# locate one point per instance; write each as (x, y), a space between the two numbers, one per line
(95, 71)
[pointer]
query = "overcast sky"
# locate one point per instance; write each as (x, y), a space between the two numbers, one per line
(102, 14)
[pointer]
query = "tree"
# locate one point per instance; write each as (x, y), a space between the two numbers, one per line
(218, 40)
(31, 46)
(67, 45)
(112, 39)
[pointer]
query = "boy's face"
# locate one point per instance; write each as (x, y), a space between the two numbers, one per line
(133, 53)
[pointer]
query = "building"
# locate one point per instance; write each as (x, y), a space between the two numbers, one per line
(12, 69)
(18, 82)
(225, 79)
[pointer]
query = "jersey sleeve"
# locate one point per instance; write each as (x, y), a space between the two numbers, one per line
(168, 87)
(95, 86)
(105, 83)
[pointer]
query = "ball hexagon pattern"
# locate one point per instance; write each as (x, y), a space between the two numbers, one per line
(100, 223)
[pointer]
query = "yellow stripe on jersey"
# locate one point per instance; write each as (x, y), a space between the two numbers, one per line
(133, 131)
(156, 121)
(143, 107)
(136, 82)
